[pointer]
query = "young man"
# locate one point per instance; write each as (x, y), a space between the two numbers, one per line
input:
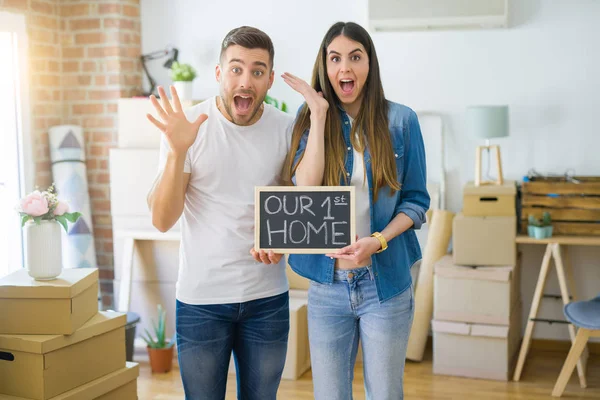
(229, 298)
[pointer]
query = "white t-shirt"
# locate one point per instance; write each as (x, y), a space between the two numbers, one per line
(226, 162)
(362, 202)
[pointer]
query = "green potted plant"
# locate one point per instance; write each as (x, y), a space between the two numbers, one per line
(182, 76)
(540, 228)
(275, 103)
(160, 350)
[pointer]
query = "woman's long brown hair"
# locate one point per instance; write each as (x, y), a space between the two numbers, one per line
(372, 119)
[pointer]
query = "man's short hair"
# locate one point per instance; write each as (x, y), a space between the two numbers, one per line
(250, 38)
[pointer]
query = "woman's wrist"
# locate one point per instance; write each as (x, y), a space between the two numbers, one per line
(318, 118)
(382, 242)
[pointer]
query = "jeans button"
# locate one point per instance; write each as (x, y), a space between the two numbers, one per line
(350, 275)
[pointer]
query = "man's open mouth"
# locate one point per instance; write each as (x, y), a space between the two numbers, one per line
(243, 103)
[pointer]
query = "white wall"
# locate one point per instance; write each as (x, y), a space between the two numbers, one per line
(546, 67)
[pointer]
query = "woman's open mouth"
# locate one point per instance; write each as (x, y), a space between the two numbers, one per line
(347, 86)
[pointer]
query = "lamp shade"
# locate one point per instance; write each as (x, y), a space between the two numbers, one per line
(487, 121)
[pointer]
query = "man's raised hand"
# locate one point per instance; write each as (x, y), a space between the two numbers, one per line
(180, 133)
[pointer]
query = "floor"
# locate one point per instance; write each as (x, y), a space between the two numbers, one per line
(538, 379)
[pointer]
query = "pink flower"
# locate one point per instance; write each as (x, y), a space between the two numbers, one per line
(61, 208)
(34, 204)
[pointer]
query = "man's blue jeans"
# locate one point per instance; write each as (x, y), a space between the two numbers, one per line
(257, 333)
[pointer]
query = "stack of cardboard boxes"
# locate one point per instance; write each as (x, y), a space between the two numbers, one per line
(54, 344)
(477, 307)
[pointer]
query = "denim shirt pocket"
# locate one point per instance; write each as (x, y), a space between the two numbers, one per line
(399, 156)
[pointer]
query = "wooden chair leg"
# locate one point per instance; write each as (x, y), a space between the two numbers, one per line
(564, 249)
(564, 290)
(535, 305)
(574, 354)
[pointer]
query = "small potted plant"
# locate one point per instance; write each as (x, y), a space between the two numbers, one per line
(540, 228)
(42, 214)
(160, 350)
(275, 103)
(182, 76)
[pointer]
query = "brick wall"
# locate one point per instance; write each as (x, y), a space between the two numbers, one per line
(84, 56)
(101, 49)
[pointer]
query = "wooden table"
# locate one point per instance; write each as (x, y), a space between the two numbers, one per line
(556, 248)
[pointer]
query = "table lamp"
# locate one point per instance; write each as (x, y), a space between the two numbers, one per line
(172, 52)
(487, 122)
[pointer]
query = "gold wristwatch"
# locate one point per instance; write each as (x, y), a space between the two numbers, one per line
(381, 239)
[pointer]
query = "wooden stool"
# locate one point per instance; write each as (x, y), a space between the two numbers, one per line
(586, 316)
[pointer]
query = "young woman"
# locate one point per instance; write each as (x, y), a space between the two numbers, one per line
(347, 133)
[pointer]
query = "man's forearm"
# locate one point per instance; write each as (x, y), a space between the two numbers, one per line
(167, 197)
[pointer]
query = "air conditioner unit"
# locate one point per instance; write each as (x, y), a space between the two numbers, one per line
(403, 15)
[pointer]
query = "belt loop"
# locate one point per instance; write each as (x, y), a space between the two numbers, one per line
(370, 269)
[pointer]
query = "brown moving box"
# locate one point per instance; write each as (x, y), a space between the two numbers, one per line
(490, 200)
(118, 385)
(476, 351)
(298, 353)
(56, 307)
(484, 240)
(483, 294)
(125, 392)
(296, 281)
(41, 367)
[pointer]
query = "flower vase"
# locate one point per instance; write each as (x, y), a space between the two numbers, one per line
(44, 249)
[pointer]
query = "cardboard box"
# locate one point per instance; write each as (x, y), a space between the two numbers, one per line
(484, 294)
(132, 171)
(296, 281)
(490, 200)
(41, 367)
(298, 353)
(484, 240)
(118, 385)
(59, 306)
(476, 351)
(125, 392)
(297, 360)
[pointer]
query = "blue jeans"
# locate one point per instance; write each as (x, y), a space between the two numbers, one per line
(257, 333)
(348, 310)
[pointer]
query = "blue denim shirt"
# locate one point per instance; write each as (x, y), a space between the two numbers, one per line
(391, 267)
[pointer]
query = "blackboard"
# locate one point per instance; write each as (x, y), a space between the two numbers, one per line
(304, 219)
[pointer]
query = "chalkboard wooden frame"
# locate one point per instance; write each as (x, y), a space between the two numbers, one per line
(293, 250)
